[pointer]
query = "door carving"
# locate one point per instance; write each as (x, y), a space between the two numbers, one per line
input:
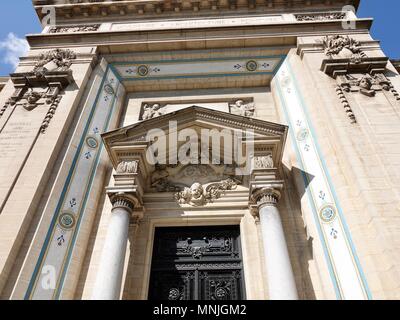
(197, 263)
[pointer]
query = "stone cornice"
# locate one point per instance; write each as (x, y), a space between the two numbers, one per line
(264, 34)
(87, 9)
(3, 82)
(396, 64)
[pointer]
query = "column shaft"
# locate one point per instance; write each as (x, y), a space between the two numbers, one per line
(109, 277)
(281, 282)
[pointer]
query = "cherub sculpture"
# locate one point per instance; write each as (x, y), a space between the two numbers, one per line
(243, 109)
(151, 112)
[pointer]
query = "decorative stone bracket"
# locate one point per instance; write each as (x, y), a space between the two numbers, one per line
(126, 190)
(264, 186)
(353, 70)
(43, 85)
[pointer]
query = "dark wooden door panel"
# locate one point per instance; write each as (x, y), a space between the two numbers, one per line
(197, 263)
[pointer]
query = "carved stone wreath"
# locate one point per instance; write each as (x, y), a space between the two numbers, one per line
(54, 60)
(197, 195)
(343, 47)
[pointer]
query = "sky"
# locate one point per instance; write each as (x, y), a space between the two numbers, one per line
(17, 18)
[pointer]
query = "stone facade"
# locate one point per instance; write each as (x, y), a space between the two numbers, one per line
(317, 200)
(3, 82)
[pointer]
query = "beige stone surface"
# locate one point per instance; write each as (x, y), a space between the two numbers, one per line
(363, 159)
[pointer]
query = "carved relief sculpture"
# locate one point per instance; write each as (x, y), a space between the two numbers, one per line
(55, 60)
(197, 195)
(365, 84)
(243, 109)
(85, 28)
(151, 111)
(263, 162)
(354, 71)
(128, 167)
(343, 47)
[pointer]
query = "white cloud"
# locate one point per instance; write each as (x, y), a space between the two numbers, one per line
(13, 48)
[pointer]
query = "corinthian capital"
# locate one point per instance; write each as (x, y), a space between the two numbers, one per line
(123, 200)
(268, 196)
(265, 196)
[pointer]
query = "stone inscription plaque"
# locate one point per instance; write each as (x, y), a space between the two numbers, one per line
(196, 23)
(16, 140)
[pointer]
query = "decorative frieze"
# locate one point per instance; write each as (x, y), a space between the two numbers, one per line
(321, 16)
(198, 195)
(71, 29)
(99, 8)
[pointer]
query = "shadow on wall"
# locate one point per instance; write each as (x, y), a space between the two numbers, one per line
(299, 242)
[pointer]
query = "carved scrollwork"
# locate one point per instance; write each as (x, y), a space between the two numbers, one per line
(197, 195)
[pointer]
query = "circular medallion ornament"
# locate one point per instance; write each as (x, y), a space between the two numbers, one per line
(67, 221)
(109, 89)
(221, 293)
(302, 135)
(92, 142)
(251, 65)
(173, 294)
(328, 213)
(143, 70)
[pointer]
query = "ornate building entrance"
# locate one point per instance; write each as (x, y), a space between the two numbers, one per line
(197, 263)
(133, 128)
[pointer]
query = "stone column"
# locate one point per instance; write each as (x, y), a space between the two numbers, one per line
(109, 277)
(281, 282)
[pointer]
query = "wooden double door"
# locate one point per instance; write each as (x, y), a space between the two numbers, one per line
(197, 263)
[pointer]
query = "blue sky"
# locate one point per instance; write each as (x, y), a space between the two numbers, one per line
(17, 18)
